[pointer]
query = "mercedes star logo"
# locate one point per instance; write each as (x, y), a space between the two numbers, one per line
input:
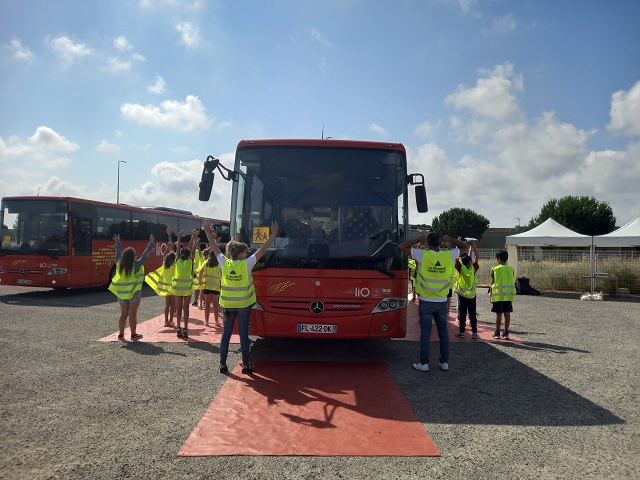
(317, 307)
(23, 272)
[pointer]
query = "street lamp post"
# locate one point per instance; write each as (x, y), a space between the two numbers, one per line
(518, 218)
(118, 190)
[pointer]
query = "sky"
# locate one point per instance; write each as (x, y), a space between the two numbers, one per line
(501, 105)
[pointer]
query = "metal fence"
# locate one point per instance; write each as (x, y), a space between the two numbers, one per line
(568, 270)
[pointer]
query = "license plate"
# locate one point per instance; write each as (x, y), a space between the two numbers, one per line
(23, 281)
(316, 328)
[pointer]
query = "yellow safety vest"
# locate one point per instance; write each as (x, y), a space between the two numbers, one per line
(412, 268)
(503, 288)
(210, 277)
(160, 280)
(433, 280)
(236, 285)
(465, 281)
(182, 282)
(124, 286)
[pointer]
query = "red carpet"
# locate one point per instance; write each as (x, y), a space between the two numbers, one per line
(484, 330)
(153, 330)
(310, 408)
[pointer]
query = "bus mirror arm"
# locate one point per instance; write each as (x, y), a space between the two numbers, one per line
(417, 179)
(208, 174)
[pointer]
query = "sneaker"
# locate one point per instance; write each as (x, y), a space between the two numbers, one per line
(505, 334)
(194, 304)
(444, 366)
(461, 334)
(422, 367)
(496, 334)
(136, 336)
(179, 332)
(475, 335)
(247, 368)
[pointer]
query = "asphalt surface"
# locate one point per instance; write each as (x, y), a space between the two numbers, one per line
(563, 404)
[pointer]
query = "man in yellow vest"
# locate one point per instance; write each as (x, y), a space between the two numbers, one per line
(503, 292)
(434, 271)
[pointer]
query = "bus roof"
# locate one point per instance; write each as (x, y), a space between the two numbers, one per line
(168, 210)
(317, 142)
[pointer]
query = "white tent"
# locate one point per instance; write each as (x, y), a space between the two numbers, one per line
(548, 234)
(626, 236)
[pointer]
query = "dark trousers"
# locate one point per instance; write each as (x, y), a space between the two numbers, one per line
(467, 305)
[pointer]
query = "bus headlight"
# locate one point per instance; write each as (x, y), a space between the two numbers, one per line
(390, 304)
(57, 271)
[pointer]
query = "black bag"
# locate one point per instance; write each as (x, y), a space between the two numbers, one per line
(523, 287)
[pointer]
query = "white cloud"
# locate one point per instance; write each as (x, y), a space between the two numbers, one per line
(188, 4)
(190, 35)
(320, 38)
(625, 111)
(106, 147)
(501, 25)
(493, 96)
(158, 87)
(122, 44)
(170, 114)
(18, 51)
(68, 50)
(425, 129)
(41, 150)
(115, 65)
(374, 127)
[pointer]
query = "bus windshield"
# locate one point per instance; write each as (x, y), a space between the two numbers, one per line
(35, 227)
(338, 207)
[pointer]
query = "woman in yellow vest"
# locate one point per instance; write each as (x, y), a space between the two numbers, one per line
(465, 287)
(126, 284)
(237, 293)
(209, 279)
(434, 271)
(503, 292)
(182, 282)
(161, 278)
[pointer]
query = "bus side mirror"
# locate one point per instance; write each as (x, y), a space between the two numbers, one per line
(206, 184)
(421, 199)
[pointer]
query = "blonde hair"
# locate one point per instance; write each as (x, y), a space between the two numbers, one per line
(235, 248)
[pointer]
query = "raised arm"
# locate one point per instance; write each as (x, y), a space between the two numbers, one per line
(193, 243)
(474, 255)
(169, 240)
(405, 246)
(265, 245)
(212, 237)
(458, 243)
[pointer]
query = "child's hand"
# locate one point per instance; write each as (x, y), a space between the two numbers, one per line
(116, 238)
(151, 238)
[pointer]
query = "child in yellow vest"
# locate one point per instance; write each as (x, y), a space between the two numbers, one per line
(127, 285)
(182, 283)
(503, 292)
(209, 278)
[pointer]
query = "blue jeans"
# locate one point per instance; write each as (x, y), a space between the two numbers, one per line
(428, 311)
(230, 314)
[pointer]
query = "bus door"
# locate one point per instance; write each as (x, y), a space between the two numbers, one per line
(84, 271)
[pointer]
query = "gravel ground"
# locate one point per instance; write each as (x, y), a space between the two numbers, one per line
(564, 404)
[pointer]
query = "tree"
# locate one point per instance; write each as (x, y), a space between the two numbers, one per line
(460, 222)
(584, 215)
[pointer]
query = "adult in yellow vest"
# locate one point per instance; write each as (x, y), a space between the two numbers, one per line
(237, 293)
(161, 278)
(503, 292)
(126, 284)
(434, 270)
(465, 286)
(183, 282)
(209, 278)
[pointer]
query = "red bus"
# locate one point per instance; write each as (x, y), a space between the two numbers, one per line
(334, 271)
(63, 242)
